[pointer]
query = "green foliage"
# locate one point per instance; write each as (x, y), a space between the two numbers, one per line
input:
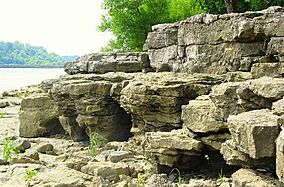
(141, 179)
(22, 95)
(29, 174)
(221, 177)
(182, 9)
(130, 21)
(2, 114)
(96, 141)
(9, 149)
(25, 54)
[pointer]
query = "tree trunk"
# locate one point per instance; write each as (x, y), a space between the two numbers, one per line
(229, 5)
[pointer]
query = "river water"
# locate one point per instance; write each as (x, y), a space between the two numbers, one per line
(16, 78)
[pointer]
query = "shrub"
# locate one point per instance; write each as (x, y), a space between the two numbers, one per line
(96, 141)
(9, 149)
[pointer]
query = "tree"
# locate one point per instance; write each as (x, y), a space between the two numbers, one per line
(131, 20)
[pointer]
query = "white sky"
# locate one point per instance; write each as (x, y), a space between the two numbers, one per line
(66, 27)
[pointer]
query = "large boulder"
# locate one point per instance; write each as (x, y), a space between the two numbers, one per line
(175, 148)
(38, 116)
(233, 98)
(197, 116)
(154, 100)
(255, 132)
(108, 62)
(86, 104)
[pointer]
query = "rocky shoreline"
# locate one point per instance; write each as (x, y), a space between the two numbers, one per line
(198, 109)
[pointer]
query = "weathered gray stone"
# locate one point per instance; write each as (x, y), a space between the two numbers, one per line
(154, 100)
(255, 132)
(208, 43)
(38, 116)
(106, 170)
(251, 178)
(196, 116)
(87, 104)
(22, 144)
(215, 141)
(235, 97)
(45, 148)
(233, 156)
(117, 156)
(169, 148)
(267, 69)
(278, 107)
(108, 62)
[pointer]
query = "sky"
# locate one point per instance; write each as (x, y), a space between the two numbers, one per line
(65, 27)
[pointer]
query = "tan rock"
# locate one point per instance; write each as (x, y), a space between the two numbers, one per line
(196, 116)
(280, 156)
(255, 132)
(251, 178)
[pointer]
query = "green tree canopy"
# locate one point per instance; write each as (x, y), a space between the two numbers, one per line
(131, 20)
(25, 54)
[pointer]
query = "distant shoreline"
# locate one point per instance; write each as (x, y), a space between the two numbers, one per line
(28, 66)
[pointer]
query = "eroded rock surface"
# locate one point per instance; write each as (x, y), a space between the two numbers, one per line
(205, 43)
(109, 62)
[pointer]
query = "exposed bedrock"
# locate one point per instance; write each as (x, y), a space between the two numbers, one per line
(176, 117)
(109, 62)
(154, 99)
(205, 43)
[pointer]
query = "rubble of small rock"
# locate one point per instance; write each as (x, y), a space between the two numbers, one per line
(210, 115)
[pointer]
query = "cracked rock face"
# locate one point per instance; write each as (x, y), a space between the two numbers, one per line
(154, 100)
(250, 42)
(109, 62)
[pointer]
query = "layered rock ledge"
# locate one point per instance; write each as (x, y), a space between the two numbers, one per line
(227, 118)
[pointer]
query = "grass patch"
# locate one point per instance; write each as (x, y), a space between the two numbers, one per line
(29, 174)
(9, 149)
(2, 114)
(141, 180)
(96, 141)
(22, 95)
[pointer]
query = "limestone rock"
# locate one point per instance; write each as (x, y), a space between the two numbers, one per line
(172, 147)
(22, 144)
(106, 170)
(233, 156)
(154, 100)
(235, 97)
(220, 43)
(251, 178)
(45, 148)
(117, 156)
(280, 156)
(108, 62)
(38, 116)
(255, 132)
(3, 103)
(215, 141)
(85, 105)
(196, 116)
(278, 107)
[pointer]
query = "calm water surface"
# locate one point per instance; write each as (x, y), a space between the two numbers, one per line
(16, 78)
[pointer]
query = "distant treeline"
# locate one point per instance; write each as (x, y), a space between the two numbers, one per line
(25, 55)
